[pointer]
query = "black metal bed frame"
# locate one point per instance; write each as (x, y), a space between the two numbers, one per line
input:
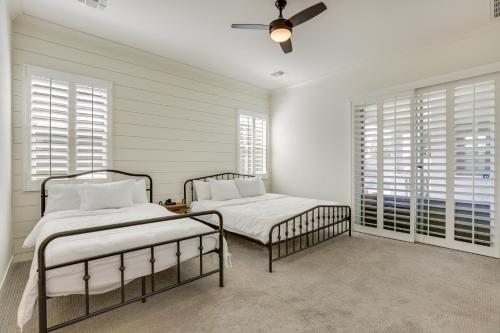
(302, 231)
(43, 268)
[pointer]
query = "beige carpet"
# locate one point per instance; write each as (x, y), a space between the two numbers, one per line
(362, 284)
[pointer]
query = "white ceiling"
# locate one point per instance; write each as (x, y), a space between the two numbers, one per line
(197, 32)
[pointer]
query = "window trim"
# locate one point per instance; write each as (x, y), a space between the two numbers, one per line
(467, 74)
(268, 137)
(29, 70)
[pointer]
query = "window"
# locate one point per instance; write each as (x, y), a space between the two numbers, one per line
(68, 125)
(252, 143)
(433, 179)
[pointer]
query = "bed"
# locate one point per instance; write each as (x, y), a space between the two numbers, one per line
(284, 224)
(96, 251)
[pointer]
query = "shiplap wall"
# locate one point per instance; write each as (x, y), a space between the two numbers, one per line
(170, 120)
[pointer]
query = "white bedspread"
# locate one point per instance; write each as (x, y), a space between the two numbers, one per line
(105, 275)
(254, 217)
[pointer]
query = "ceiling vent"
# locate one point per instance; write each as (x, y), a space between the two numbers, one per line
(101, 4)
(495, 9)
(278, 74)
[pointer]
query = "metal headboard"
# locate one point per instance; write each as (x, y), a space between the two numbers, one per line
(44, 194)
(189, 188)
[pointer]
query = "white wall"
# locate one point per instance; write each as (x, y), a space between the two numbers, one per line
(169, 120)
(311, 137)
(5, 140)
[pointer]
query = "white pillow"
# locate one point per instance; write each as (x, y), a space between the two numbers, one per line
(223, 190)
(63, 197)
(108, 195)
(202, 190)
(140, 195)
(250, 187)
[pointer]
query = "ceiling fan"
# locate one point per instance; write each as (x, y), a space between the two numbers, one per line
(280, 29)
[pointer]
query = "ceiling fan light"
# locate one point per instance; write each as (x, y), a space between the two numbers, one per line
(281, 35)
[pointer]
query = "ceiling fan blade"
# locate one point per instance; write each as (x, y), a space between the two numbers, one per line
(307, 14)
(286, 46)
(250, 26)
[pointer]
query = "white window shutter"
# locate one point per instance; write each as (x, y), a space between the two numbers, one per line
(49, 109)
(474, 175)
(252, 145)
(430, 151)
(397, 173)
(246, 144)
(260, 146)
(68, 120)
(365, 164)
(91, 129)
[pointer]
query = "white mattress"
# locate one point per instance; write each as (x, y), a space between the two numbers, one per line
(104, 273)
(255, 216)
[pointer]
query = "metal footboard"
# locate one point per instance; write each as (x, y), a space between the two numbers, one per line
(307, 229)
(42, 268)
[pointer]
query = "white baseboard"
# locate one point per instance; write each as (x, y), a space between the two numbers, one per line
(6, 272)
(22, 257)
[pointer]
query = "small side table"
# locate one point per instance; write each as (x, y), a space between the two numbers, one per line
(178, 208)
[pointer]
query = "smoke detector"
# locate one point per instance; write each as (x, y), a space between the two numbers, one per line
(101, 4)
(495, 9)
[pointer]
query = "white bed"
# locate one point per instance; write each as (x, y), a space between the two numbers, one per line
(105, 272)
(254, 217)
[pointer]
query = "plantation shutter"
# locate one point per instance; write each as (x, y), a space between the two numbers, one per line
(260, 146)
(68, 125)
(246, 144)
(365, 165)
(475, 170)
(430, 154)
(49, 109)
(397, 173)
(91, 128)
(252, 144)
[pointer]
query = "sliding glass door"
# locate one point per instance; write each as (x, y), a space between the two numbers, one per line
(425, 165)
